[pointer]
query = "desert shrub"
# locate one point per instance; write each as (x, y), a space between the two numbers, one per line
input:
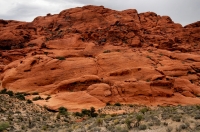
(119, 129)
(144, 110)
(108, 104)
(139, 117)
(197, 116)
(85, 112)
(131, 105)
(182, 126)
(99, 121)
(37, 98)
(60, 58)
(43, 45)
(176, 118)
(20, 96)
(48, 97)
(35, 93)
(165, 124)
(106, 51)
(198, 107)
(62, 110)
(78, 114)
(3, 91)
(22, 93)
(10, 93)
(46, 53)
(117, 104)
(29, 101)
(92, 112)
(4, 126)
(169, 129)
(165, 116)
(58, 116)
(142, 127)
(128, 123)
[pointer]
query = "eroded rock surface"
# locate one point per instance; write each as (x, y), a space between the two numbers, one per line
(92, 55)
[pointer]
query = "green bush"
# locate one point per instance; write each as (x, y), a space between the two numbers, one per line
(144, 110)
(78, 114)
(99, 121)
(10, 93)
(117, 104)
(85, 112)
(23, 93)
(3, 91)
(47, 98)
(20, 96)
(142, 127)
(131, 105)
(108, 104)
(60, 58)
(176, 118)
(106, 51)
(37, 98)
(35, 93)
(62, 110)
(4, 126)
(139, 117)
(29, 101)
(90, 112)
(128, 123)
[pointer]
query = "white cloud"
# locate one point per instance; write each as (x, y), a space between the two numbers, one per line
(27, 10)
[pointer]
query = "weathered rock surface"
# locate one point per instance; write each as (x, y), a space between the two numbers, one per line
(92, 55)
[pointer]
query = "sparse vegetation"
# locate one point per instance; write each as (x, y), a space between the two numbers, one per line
(106, 51)
(29, 101)
(108, 104)
(48, 97)
(140, 118)
(60, 57)
(35, 93)
(117, 104)
(37, 98)
(20, 96)
(62, 110)
(3, 126)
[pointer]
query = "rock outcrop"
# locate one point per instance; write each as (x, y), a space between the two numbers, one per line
(91, 55)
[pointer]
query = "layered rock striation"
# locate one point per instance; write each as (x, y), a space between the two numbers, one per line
(91, 55)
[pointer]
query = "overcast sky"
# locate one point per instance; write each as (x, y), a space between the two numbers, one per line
(181, 11)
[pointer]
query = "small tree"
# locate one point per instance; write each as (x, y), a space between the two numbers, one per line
(78, 114)
(3, 91)
(92, 112)
(10, 93)
(62, 110)
(85, 112)
(117, 104)
(20, 97)
(37, 98)
(29, 101)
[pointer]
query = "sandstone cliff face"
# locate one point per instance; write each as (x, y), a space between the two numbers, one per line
(92, 55)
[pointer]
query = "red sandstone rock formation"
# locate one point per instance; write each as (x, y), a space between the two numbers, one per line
(92, 55)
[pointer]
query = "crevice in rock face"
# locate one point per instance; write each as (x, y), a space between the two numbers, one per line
(80, 86)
